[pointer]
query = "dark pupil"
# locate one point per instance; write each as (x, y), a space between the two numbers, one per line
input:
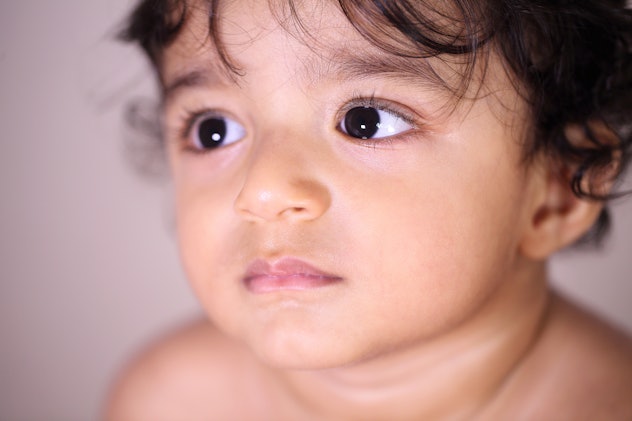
(362, 122)
(211, 132)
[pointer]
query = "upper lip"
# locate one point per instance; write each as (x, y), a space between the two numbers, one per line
(286, 266)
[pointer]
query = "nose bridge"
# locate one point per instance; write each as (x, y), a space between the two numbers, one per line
(280, 183)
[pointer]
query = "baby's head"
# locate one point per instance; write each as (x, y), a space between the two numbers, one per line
(355, 176)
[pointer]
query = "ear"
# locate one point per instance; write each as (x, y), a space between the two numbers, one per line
(557, 217)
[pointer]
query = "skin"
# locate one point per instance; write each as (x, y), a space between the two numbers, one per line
(440, 234)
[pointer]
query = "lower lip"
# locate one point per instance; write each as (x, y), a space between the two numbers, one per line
(300, 282)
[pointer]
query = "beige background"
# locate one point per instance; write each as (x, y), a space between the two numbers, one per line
(88, 265)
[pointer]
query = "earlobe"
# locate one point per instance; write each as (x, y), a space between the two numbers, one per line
(560, 219)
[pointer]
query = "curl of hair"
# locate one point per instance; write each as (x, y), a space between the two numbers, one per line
(153, 25)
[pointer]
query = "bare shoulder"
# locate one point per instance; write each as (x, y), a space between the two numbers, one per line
(582, 367)
(192, 373)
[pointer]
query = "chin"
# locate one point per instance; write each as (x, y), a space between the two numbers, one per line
(302, 349)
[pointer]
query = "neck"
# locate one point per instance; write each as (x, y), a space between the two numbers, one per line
(454, 375)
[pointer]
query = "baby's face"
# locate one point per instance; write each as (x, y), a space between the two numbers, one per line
(309, 231)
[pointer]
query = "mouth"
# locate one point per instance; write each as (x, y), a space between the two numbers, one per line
(286, 274)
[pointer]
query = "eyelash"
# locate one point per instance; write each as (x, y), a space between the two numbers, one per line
(383, 105)
(399, 111)
(188, 119)
(182, 130)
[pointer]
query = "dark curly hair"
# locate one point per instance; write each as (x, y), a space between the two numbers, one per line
(572, 61)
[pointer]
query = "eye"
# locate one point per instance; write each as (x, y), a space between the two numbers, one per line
(211, 131)
(366, 122)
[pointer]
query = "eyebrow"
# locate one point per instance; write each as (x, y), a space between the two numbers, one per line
(192, 78)
(341, 67)
(365, 65)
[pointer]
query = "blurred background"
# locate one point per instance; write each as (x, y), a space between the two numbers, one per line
(88, 264)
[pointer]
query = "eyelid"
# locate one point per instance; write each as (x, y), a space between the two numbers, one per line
(401, 111)
(405, 113)
(189, 120)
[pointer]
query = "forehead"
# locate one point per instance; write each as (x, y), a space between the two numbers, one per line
(317, 42)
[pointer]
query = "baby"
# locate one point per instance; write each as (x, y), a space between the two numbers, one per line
(367, 194)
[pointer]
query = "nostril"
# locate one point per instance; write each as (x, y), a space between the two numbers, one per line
(292, 204)
(295, 210)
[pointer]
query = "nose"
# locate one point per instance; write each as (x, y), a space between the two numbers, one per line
(280, 184)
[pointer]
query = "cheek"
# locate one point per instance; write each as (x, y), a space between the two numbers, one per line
(208, 240)
(435, 249)
(205, 193)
